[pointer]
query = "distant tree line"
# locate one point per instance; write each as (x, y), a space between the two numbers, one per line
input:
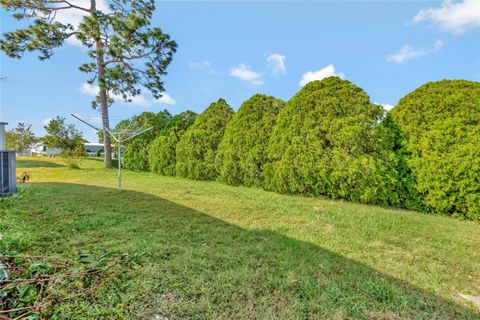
(60, 135)
(330, 140)
(20, 138)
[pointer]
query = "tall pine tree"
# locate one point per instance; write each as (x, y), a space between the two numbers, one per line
(125, 53)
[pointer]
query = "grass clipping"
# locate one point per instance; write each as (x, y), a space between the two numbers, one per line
(31, 285)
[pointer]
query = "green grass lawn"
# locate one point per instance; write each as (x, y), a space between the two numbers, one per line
(221, 252)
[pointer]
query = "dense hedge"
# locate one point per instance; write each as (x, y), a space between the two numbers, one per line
(163, 149)
(243, 150)
(197, 148)
(331, 140)
(396, 183)
(441, 124)
(136, 154)
(323, 143)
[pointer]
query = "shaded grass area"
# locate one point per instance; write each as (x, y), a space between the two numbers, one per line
(217, 252)
(27, 163)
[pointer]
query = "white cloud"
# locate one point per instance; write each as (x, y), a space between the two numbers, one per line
(46, 121)
(202, 66)
(407, 52)
(166, 99)
(454, 17)
(323, 73)
(139, 100)
(276, 63)
(245, 73)
(95, 120)
(386, 106)
(89, 89)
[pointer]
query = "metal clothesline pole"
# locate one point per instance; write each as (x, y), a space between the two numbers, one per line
(119, 138)
(119, 170)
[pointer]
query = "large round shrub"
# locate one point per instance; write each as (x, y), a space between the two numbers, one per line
(323, 143)
(197, 148)
(136, 154)
(163, 149)
(243, 150)
(441, 124)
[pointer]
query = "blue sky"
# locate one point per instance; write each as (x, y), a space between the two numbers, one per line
(236, 49)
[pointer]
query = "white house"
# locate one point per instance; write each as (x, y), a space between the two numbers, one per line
(40, 149)
(25, 153)
(93, 149)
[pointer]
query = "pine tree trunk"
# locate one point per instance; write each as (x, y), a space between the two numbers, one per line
(107, 142)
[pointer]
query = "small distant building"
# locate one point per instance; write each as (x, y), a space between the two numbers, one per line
(41, 149)
(25, 153)
(94, 149)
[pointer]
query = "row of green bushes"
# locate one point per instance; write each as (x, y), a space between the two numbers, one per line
(331, 140)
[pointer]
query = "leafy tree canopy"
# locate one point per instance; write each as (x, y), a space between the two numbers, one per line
(243, 150)
(20, 138)
(62, 136)
(441, 124)
(197, 148)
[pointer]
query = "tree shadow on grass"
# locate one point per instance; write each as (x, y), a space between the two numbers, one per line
(92, 158)
(199, 267)
(26, 163)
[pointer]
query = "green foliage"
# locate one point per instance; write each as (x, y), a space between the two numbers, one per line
(136, 154)
(197, 148)
(243, 150)
(133, 43)
(100, 136)
(42, 35)
(20, 138)
(73, 157)
(396, 181)
(62, 136)
(323, 141)
(67, 138)
(441, 123)
(163, 148)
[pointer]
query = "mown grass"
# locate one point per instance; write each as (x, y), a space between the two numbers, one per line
(212, 251)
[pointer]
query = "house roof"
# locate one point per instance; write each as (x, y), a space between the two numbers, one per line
(91, 144)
